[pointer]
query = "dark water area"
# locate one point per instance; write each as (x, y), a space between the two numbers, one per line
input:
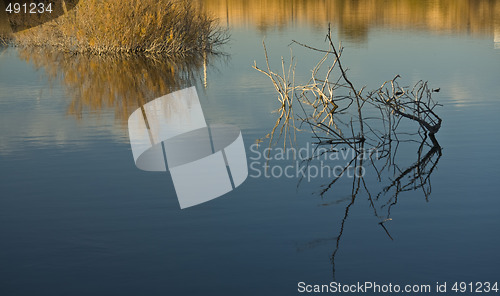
(78, 218)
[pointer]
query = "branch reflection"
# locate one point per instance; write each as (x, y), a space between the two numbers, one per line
(373, 127)
(396, 180)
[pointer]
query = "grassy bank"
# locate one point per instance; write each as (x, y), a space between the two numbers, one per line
(169, 27)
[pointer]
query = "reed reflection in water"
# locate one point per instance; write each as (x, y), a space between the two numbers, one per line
(354, 19)
(124, 83)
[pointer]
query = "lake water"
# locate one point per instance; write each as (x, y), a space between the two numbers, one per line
(78, 218)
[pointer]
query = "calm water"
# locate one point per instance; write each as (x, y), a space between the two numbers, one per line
(78, 218)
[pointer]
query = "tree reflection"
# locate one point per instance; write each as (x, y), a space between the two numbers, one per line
(373, 126)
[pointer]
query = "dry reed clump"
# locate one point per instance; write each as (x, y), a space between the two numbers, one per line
(169, 27)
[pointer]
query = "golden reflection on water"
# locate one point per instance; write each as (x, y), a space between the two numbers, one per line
(355, 18)
(95, 83)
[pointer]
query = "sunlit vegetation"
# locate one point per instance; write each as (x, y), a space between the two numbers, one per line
(168, 27)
